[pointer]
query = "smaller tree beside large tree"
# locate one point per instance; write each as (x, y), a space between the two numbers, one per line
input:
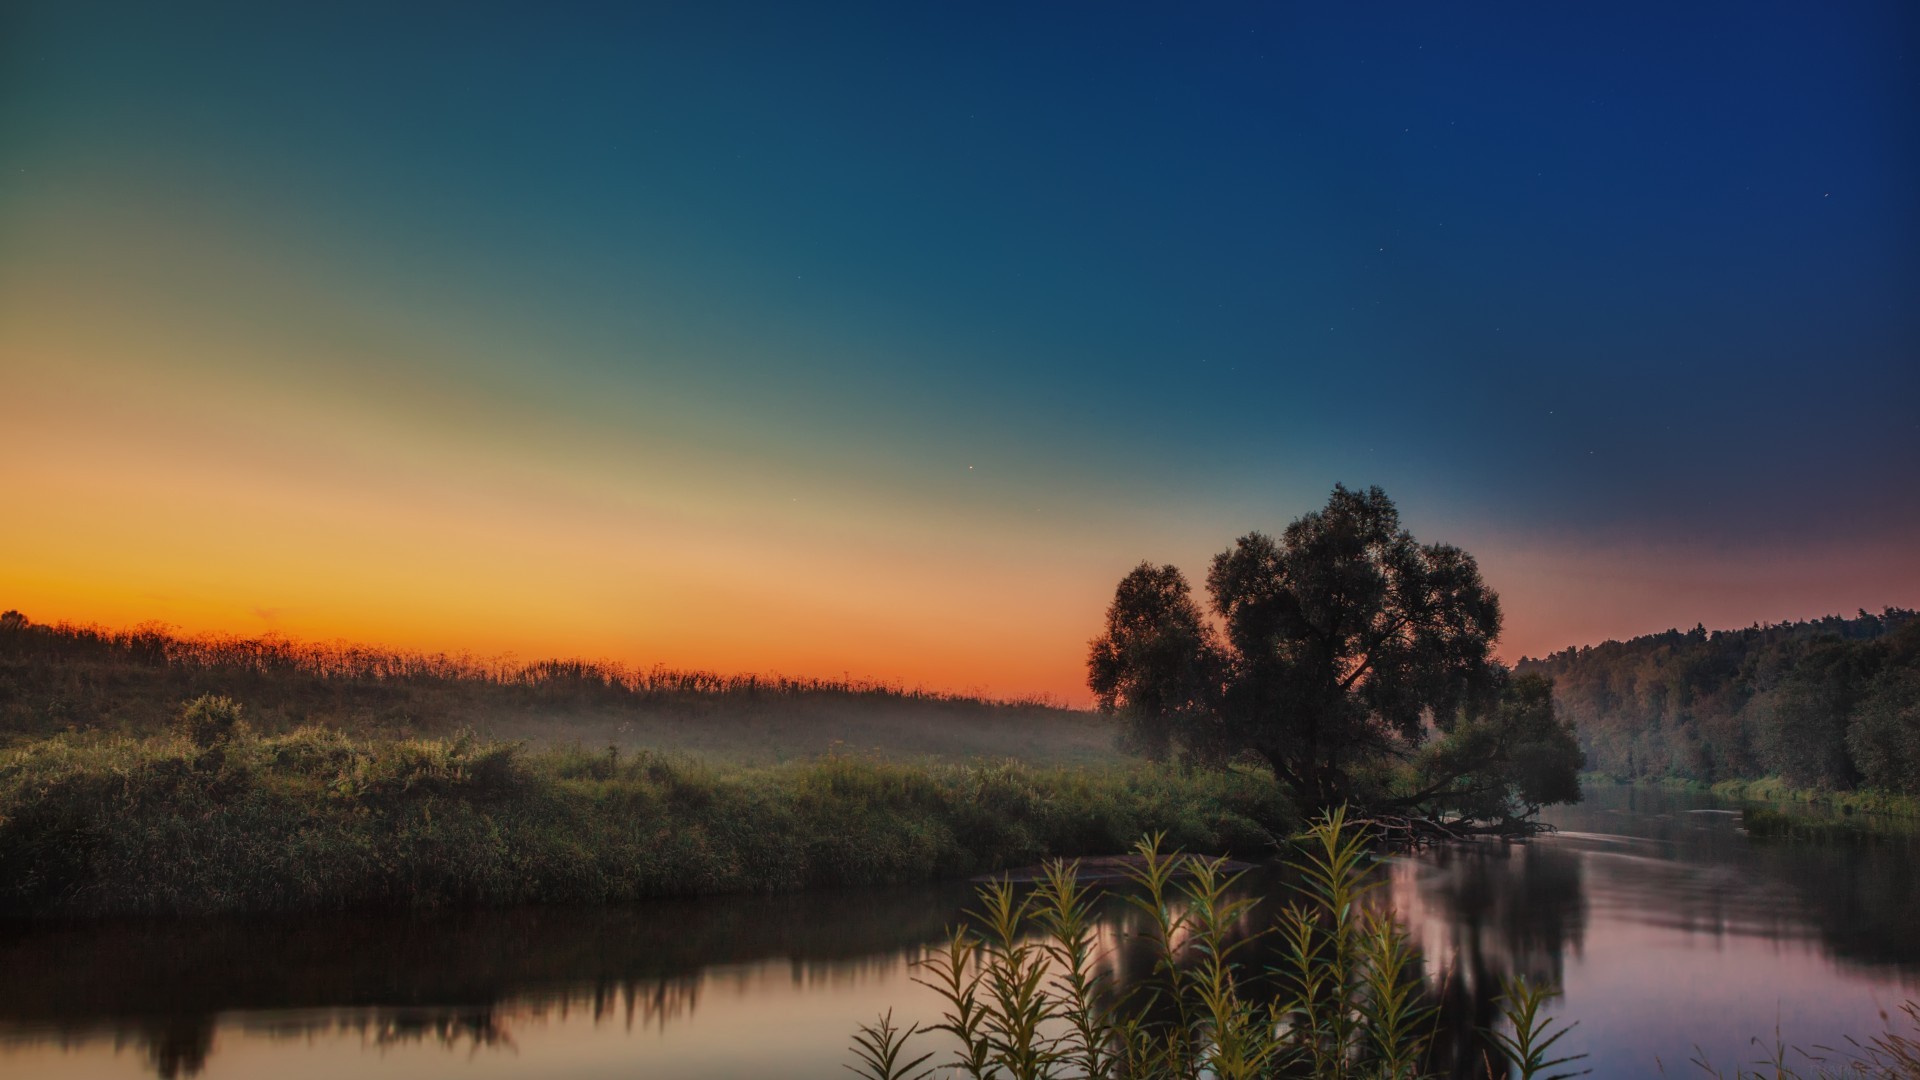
(1341, 643)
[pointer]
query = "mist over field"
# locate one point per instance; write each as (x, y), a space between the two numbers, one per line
(61, 678)
(785, 730)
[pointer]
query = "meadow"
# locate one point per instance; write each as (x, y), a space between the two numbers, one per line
(147, 772)
(214, 818)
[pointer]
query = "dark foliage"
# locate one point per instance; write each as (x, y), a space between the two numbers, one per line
(1159, 662)
(1502, 762)
(1833, 703)
(1341, 642)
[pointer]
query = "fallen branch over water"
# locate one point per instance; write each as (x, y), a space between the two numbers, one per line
(1415, 830)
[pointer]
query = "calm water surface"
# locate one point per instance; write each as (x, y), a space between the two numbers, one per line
(1666, 926)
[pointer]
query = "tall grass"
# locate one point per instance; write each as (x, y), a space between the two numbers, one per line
(212, 817)
(1027, 998)
(1029, 993)
(1892, 1055)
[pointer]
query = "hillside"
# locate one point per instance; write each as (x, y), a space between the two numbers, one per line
(61, 677)
(1831, 703)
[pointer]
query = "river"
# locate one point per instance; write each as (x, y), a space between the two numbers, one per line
(1669, 931)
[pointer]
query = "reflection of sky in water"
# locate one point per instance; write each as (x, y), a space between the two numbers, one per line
(1668, 929)
(766, 1019)
(1696, 939)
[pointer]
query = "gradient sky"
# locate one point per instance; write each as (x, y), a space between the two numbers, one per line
(883, 339)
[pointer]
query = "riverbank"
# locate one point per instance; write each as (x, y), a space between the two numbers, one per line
(1774, 790)
(316, 820)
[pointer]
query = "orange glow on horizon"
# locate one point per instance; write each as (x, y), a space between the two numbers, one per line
(170, 476)
(343, 476)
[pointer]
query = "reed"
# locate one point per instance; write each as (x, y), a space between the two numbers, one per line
(1025, 996)
(1894, 1054)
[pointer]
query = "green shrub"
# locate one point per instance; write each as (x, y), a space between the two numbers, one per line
(211, 720)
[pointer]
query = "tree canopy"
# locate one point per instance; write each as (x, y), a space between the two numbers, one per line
(1340, 642)
(1827, 703)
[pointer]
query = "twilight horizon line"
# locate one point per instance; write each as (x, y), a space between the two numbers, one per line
(749, 336)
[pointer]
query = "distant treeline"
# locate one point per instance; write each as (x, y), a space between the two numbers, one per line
(1831, 703)
(61, 676)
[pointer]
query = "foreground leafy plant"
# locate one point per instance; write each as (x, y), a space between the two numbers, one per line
(881, 1050)
(1351, 983)
(1027, 995)
(1533, 1034)
(1030, 995)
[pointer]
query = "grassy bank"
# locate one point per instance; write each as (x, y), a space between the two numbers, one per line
(315, 819)
(1765, 821)
(1774, 790)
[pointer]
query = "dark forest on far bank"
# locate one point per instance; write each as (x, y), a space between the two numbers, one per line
(1831, 703)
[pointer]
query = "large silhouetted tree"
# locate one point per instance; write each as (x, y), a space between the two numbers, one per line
(1339, 641)
(1159, 660)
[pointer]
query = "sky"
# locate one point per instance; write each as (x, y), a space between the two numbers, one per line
(882, 339)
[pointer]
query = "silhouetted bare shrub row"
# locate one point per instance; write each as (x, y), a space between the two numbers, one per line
(63, 677)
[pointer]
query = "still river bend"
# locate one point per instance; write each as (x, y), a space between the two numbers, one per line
(1669, 930)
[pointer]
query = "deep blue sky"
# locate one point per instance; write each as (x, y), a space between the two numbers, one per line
(1617, 284)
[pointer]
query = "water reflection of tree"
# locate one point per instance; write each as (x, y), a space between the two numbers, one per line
(1701, 873)
(1485, 913)
(177, 1046)
(1858, 894)
(479, 1028)
(1479, 913)
(161, 984)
